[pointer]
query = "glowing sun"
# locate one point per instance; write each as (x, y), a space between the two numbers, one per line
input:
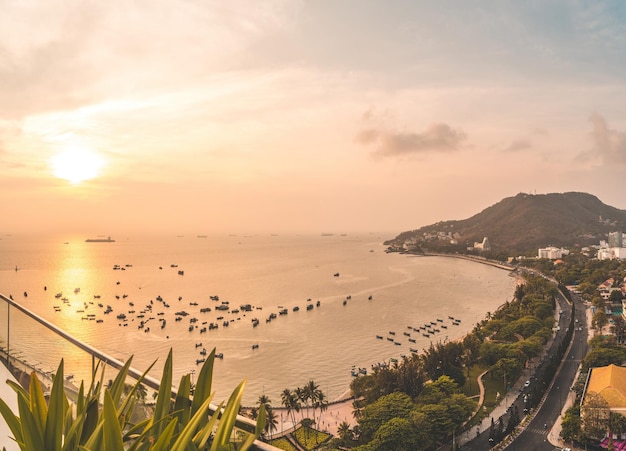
(76, 165)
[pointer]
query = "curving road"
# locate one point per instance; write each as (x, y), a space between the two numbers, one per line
(535, 435)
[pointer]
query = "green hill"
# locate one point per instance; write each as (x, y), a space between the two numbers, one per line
(521, 224)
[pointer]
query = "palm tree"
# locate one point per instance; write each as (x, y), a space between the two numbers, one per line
(264, 400)
(142, 392)
(271, 424)
(358, 409)
(312, 391)
(291, 403)
(321, 403)
(344, 431)
(254, 413)
(301, 396)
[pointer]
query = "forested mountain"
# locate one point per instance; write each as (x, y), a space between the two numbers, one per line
(522, 224)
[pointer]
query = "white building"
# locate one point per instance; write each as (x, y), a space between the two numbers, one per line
(484, 246)
(552, 252)
(608, 253)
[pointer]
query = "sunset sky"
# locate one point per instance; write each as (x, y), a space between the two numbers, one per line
(303, 116)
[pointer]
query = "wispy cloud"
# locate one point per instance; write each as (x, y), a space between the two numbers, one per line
(437, 137)
(518, 144)
(609, 145)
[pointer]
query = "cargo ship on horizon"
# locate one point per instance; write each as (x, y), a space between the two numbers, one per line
(100, 240)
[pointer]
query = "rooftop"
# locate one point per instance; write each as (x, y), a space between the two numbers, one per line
(610, 383)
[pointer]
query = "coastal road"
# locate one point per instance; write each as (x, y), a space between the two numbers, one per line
(535, 436)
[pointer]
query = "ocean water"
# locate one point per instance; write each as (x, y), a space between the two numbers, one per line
(363, 294)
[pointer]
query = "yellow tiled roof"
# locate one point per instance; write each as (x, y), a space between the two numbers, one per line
(610, 383)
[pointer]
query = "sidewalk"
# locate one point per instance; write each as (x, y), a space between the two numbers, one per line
(496, 413)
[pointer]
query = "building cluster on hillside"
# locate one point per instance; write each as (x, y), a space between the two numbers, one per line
(614, 248)
(413, 243)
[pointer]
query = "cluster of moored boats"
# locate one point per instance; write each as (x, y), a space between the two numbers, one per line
(152, 313)
(427, 330)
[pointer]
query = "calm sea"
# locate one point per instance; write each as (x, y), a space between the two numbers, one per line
(362, 293)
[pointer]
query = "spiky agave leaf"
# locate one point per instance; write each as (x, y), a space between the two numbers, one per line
(190, 431)
(13, 421)
(164, 397)
(182, 404)
(112, 433)
(57, 405)
(228, 417)
(203, 384)
(33, 437)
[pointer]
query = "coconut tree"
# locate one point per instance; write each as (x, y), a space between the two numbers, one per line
(301, 395)
(265, 402)
(344, 431)
(312, 392)
(321, 402)
(271, 423)
(291, 403)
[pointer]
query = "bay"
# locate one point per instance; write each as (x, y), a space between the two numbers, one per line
(363, 293)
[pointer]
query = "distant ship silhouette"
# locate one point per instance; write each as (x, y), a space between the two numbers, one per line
(100, 240)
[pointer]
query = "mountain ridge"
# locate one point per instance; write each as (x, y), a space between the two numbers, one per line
(522, 223)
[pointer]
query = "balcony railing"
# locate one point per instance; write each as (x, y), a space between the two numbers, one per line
(30, 343)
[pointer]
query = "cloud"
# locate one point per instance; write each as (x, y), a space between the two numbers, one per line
(436, 138)
(518, 144)
(608, 145)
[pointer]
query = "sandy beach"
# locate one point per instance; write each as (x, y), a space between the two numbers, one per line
(327, 421)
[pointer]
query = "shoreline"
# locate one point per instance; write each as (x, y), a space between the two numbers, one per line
(408, 291)
(340, 409)
(472, 258)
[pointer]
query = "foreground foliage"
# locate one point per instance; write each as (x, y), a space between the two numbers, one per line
(100, 417)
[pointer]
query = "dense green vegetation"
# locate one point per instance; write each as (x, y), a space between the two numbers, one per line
(418, 404)
(606, 346)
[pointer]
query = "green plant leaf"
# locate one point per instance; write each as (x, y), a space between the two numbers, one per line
(72, 436)
(228, 417)
(127, 407)
(163, 443)
(19, 390)
(190, 430)
(56, 411)
(12, 420)
(92, 418)
(38, 406)
(164, 397)
(203, 384)
(112, 433)
(136, 432)
(33, 437)
(94, 441)
(182, 404)
(117, 388)
(143, 441)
